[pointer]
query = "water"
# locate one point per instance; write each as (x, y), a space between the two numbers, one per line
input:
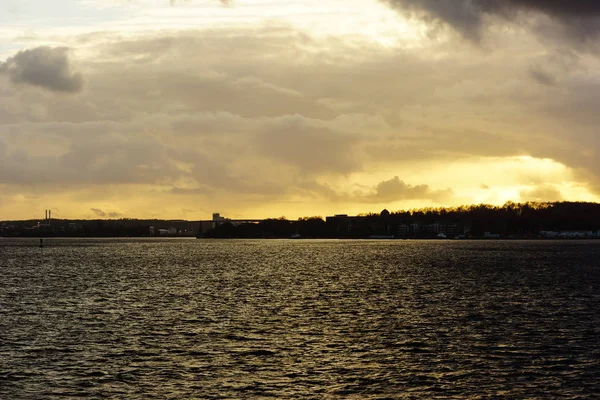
(175, 319)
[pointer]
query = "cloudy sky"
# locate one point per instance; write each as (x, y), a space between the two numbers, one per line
(268, 108)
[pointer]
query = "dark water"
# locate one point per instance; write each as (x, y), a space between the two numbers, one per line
(178, 319)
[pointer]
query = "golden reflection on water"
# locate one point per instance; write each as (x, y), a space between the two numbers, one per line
(143, 319)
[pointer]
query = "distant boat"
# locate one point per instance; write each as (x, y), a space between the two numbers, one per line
(296, 236)
(441, 235)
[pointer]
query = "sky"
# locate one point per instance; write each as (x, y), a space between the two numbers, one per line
(268, 108)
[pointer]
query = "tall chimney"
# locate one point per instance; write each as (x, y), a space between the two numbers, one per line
(46, 217)
(49, 216)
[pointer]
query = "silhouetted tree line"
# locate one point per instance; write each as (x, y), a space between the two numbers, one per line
(312, 227)
(510, 220)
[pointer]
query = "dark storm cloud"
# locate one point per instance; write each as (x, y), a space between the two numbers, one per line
(579, 17)
(579, 8)
(45, 67)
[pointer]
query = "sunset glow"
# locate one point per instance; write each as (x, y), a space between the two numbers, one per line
(177, 109)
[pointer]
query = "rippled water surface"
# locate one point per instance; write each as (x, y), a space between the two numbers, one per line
(177, 319)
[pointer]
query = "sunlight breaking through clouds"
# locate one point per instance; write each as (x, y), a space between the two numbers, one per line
(294, 108)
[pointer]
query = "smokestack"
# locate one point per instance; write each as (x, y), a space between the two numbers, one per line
(49, 216)
(46, 216)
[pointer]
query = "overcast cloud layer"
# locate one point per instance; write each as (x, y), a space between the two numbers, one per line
(272, 119)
